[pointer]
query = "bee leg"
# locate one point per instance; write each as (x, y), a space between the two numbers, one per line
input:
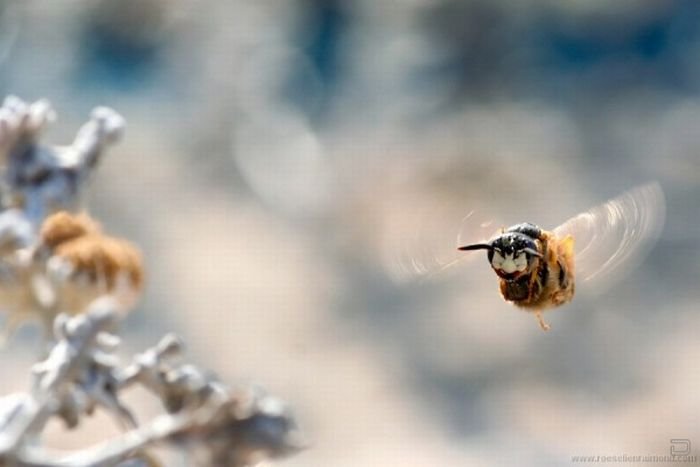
(544, 326)
(533, 287)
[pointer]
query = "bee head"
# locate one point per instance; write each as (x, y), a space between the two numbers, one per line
(511, 254)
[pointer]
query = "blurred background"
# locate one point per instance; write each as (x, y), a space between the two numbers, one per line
(278, 153)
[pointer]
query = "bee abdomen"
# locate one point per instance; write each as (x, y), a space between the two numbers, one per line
(562, 276)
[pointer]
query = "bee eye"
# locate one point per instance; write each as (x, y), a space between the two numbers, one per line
(530, 253)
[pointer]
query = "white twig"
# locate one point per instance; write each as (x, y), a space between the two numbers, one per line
(214, 423)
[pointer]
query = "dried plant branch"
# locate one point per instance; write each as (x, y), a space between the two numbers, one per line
(44, 179)
(214, 424)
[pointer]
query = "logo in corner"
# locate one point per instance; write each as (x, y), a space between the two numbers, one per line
(680, 447)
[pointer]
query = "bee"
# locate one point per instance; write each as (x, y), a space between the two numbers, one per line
(534, 266)
(537, 268)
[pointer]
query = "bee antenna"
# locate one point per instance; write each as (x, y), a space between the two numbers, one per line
(476, 246)
(532, 252)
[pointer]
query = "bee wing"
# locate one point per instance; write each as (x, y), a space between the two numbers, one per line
(615, 236)
(425, 245)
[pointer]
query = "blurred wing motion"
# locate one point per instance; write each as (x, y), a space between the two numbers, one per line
(615, 237)
(425, 244)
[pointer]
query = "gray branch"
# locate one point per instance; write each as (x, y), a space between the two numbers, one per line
(211, 421)
(42, 179)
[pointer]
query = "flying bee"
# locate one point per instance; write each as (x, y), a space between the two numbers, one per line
(539, 269)
(536, 268)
